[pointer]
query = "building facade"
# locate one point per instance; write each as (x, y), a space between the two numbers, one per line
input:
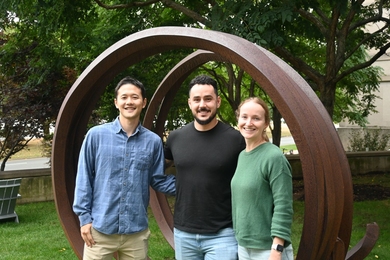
(380, 120)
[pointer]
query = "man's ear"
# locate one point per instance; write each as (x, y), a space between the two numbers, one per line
(218, 101)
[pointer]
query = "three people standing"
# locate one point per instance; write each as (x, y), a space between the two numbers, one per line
(213, 210)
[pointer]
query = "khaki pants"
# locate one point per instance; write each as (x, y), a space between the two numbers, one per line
(129, 247)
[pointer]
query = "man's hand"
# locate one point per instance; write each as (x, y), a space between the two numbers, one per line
(87, 235)
(168, 163)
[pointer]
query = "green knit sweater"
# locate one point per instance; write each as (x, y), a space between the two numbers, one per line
(262, 197)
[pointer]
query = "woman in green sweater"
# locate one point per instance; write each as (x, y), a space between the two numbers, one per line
(261, 190)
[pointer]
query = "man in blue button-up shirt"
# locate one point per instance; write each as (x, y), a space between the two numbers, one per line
(118, 161)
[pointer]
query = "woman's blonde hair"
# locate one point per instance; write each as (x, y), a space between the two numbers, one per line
(262, 103)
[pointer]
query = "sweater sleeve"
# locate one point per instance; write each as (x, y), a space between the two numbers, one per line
(281, 186)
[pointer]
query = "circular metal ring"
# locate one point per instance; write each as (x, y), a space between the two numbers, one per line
(327, 179)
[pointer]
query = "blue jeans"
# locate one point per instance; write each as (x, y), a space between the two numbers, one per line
(256, 254)
(189, 246)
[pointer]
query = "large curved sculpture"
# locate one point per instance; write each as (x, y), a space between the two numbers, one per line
(328, 185)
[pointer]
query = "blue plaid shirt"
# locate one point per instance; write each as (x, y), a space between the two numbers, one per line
(113, 178)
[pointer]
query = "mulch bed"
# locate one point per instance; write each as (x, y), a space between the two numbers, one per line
(361, 192)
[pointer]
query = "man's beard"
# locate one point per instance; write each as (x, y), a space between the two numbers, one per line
(208, 120)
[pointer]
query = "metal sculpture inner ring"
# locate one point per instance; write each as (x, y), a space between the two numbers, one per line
(327, 179)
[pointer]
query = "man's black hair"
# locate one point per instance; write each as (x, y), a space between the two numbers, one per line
(203, 80)
(132, 81)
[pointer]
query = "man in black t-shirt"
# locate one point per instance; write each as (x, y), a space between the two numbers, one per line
(205, 155)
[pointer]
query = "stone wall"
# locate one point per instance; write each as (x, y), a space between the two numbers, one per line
(37, 185)
(359, 163)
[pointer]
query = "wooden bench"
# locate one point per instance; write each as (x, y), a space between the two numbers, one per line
(8, 195)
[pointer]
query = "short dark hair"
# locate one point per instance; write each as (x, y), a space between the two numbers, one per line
(132, 81)
(203, 80)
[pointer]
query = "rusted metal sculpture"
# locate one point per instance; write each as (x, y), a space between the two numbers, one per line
(327, 178)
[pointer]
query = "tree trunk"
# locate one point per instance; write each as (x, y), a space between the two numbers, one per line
(2, 166)
(277, 129)
(327, 97)
(46, 128)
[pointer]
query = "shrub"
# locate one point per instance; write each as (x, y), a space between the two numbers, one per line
(368, 139)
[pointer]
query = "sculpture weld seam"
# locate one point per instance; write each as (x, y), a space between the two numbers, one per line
(329, 198)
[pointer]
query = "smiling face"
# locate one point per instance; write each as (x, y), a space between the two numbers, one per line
(129, 102)
(252, 121)
(204, 103)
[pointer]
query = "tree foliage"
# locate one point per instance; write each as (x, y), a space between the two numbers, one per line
(325, 41)
(32, 89)
(45, 44)
(37, 69)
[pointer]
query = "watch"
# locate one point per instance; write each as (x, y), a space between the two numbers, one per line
(278, 247)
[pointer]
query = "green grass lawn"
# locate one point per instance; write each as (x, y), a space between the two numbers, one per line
(39, 234)
(286, 148)
(364, 213)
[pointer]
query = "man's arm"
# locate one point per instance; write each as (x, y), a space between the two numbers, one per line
(159, 181)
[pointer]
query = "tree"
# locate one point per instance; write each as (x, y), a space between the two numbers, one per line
(27, 105)
(36, 72)
(325, 41)
(44, 46)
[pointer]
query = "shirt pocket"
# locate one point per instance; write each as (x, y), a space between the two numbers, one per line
(142, 160)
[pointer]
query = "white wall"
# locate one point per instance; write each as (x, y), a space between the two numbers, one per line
(377, 120)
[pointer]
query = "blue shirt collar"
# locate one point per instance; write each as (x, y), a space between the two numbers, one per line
(118, 127)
